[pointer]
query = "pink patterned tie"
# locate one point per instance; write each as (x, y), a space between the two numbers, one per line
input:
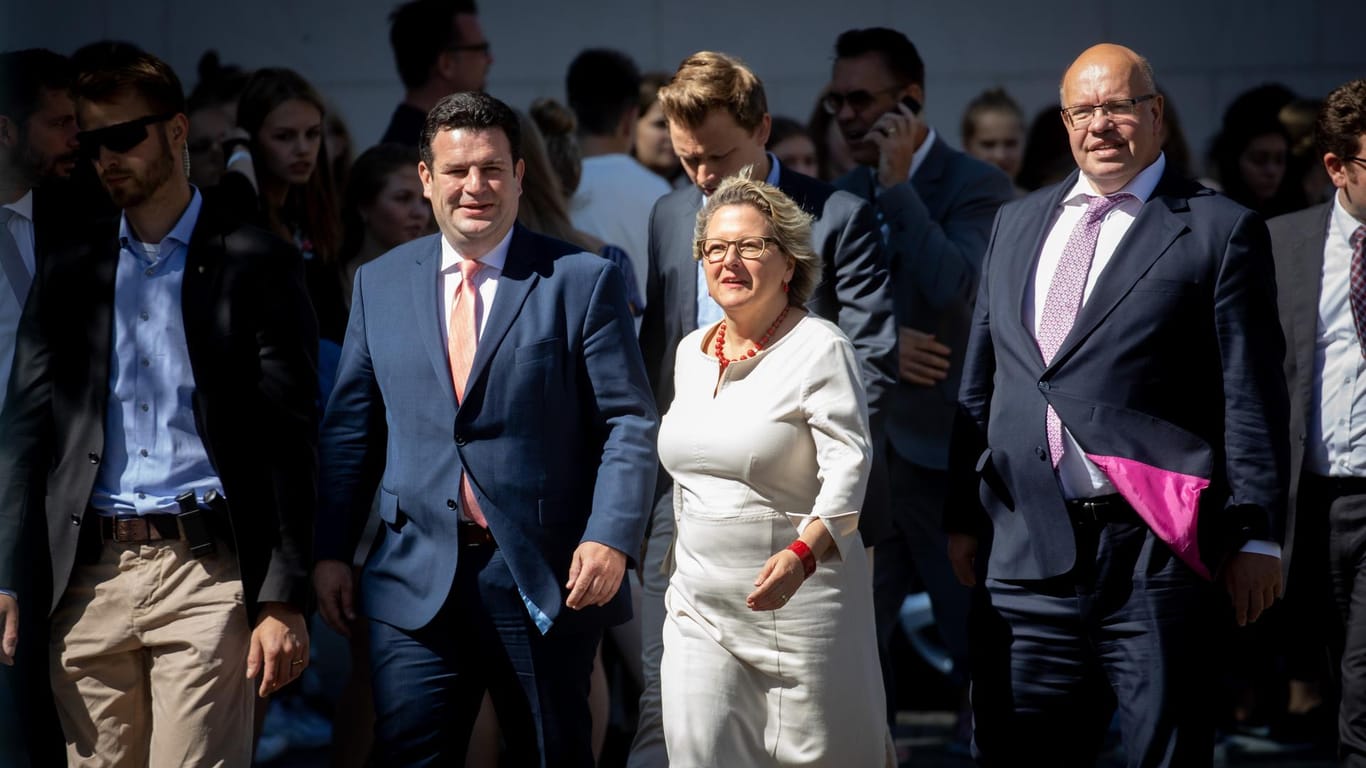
(1359, 285)
(463, 338)
(1064, 296)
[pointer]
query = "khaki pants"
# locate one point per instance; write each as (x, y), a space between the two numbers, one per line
(149, 656)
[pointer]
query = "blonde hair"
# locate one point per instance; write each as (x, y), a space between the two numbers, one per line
(708, 80)
(790, 224)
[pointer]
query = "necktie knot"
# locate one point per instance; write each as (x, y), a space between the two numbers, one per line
(468, 269)
(1097, 206)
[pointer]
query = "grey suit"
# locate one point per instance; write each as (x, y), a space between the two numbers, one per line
(1325, 529)
(936, 228)
(855, 293)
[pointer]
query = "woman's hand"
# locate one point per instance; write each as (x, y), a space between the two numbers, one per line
(778, 580)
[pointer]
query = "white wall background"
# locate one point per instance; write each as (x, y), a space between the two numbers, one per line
(1204, 51)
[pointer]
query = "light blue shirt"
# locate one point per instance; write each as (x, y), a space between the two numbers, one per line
(709, 311)
(152, 449)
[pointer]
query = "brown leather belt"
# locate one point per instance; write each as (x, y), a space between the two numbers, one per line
(475, 535)
(139, 529)
(1101, 510)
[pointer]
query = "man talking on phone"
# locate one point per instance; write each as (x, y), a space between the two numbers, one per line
(936, 206)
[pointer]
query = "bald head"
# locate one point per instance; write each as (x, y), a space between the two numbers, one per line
(1121, 134)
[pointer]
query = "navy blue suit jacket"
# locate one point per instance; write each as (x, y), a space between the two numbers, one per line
(556, 432)
(1173, 363)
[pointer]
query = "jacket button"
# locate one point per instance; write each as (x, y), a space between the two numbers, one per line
(1043, 386)
(94, 457)
(459, 439)
(450, 503)
(1041, 452)
(75, 519)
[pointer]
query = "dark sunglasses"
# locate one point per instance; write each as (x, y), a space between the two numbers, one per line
(857, 100)
(118, 138)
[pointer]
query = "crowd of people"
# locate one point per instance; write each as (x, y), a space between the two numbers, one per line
(647, 409)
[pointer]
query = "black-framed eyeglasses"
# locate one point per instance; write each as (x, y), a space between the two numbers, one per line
(1080, 115)
(483, 47)
(120, 137)
(858, 100)
(752, 248)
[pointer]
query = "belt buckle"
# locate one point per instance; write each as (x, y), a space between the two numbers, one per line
(129, 530)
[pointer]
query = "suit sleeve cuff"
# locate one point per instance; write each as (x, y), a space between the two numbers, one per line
(1261, 547)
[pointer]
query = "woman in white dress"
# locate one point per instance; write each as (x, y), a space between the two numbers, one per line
(770, 654)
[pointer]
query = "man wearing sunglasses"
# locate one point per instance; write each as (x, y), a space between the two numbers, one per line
(935, 205)
(1321, 273)
(440, 49)
(164, 363)
(1122, 439)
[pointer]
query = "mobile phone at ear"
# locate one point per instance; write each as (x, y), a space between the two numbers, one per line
(911, 104)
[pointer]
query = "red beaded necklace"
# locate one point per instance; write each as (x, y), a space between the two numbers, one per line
(721, 340)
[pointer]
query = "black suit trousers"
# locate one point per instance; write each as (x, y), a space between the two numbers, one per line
(429, 683)
(1129, 628)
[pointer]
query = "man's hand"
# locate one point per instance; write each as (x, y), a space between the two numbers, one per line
(1253, 582)
(778, 581)
(9, 618)
(279, 647)
(963, 558)
(921, 359)
(896, 134)
(594, 575)
(336, 590)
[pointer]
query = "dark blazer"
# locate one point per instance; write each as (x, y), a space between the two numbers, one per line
(1172, 371)
(855, 293)
(556, 433)
(1297, 242)
(937, 230)
(252, 343)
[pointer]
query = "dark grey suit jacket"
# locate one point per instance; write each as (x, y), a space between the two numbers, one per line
(855, 293)
(938, 225)
(1297, 242)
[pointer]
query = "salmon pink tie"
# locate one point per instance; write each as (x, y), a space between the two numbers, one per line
(463, 338)
(1064, 296)
(1358, 240)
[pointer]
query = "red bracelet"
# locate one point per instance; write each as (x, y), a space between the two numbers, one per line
(799, 548)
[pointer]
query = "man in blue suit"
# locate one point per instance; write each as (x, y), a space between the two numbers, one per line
(1122, 442)
(493, 374)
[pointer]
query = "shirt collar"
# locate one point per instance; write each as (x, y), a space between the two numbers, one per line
(495, 258)
(1345, 222)
(181, 233)
(774, 170)
(918, 159)
(1140, 186)
(23, 206)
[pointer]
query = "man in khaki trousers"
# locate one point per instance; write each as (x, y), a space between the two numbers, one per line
(160, 424)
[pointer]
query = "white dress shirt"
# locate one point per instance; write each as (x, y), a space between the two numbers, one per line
(1337, 423)
(486, 279)
(1079, 477)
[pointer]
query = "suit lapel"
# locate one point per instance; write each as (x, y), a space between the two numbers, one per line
(514, 285)
(1307, 285)
(104, 253)
(203, 266)
(1152, 233)
(1021, 284)
(424, 278)
(686, 266)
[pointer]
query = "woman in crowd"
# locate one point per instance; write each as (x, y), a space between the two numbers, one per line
(213, 114)
(653, 148)
(770, 656)
(993, 131)
(1250, 153)
(279, 175)
(792, 145)
(384, 208)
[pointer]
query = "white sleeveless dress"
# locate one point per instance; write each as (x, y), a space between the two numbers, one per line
(784, 440)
